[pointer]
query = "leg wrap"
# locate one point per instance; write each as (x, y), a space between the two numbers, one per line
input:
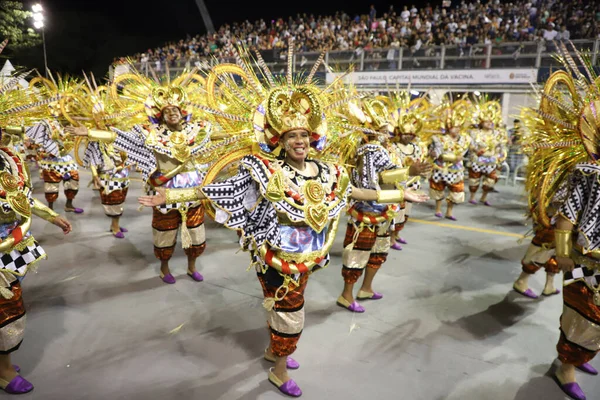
(12, 320)
(457, 193)
(474, 180)
(355, 258)
(286, 319)
(113, 202)
(489, 182)
(381, 248)
(52, 181)
(164, 232)
(437, 190)
(580, 325)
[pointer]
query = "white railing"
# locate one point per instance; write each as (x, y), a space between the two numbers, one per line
(502, 55)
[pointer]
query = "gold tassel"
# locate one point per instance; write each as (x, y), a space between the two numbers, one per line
(357, 232)
(186, 238)
(269, 303)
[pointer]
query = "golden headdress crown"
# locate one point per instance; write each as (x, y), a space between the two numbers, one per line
(135, 93)
(243, 103)
(408, 116)
(454, 115)
(487, 110)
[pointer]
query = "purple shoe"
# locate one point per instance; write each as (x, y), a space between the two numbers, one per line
(119, 235)
(451, 218)
(354, 306)
(396, 246)
(75, 210)
(528, 293)
(168, 278)
(487, 203)
(401, 240)
(587, 368)
(17, 368)
(439, 215)
(196, 276)
(18, 385)
(473, 202)
(369, 296)
(572, 389)
(123, 230)
(289, 388)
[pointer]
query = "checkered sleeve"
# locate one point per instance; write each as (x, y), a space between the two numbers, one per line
(92, 156)
(229, 196)
(133, 144)
(41, 134)
(576, 199)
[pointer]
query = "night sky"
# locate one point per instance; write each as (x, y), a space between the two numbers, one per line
(88, 34)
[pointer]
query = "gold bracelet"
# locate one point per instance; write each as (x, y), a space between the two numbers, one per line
(181, 195)
(14, 130)
(44, 212)
(102, 136)
(395, 175)
(449, 157)
(564, 244)
(390, 196)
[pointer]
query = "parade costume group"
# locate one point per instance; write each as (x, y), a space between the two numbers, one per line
(287, 161)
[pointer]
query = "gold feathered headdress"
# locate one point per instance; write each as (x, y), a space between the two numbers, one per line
(135, 94)
(246, 99)
(563, 131)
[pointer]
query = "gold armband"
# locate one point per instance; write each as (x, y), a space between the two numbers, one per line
(395, 175)
(564, 244)
(390, 196)
(449, 157)
(43, 212)
(14, 130)
(181, 195)
(102, 136)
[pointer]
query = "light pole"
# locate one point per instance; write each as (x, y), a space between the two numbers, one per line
(38, 23)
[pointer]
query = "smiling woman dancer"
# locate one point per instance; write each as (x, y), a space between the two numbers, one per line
(164, 152)
(285, 203)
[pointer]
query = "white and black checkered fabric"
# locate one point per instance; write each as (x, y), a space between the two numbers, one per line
(92, 157)
(110, 185)
(582, 273)
(138, 155)
(582, 206)
(484, 169)
(373, 159)
(260, 222)
(450, 177)
(41, 134)
(62, 167)
(18, 261)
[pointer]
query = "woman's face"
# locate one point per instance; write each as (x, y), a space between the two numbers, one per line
(487, 125)
(171, 115)
(296, 144)
(407, 138)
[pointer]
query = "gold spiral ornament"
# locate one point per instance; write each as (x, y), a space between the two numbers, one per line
(8, 182)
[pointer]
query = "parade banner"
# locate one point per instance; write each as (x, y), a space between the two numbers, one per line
(513, 76)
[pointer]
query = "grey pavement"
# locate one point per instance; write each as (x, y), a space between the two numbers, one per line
(102, 325)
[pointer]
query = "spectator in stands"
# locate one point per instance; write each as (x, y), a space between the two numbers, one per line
(471, 22)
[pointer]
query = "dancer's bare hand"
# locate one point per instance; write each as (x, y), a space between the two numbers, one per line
(415, 197)
(420, 169)
(565, 264)
(76, 130)
(63, 224)
(158, 199)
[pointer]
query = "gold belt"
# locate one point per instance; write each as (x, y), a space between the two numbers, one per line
(592, 254)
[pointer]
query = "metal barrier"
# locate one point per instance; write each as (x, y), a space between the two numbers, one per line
(494, 55)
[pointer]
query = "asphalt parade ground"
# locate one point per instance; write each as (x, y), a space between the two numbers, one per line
(102, 325)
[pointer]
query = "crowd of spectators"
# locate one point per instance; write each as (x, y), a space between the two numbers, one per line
(466, 25)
